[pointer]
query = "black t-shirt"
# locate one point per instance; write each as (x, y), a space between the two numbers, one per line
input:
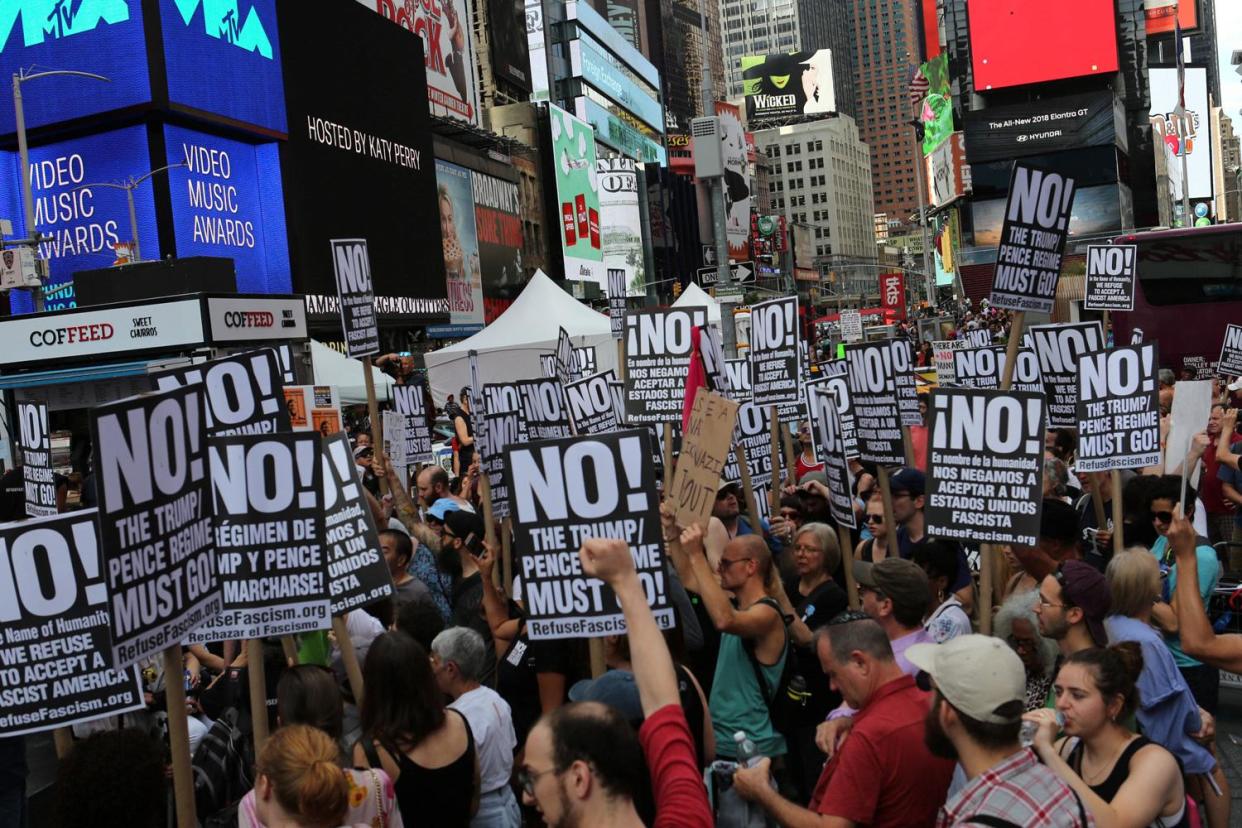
(517, 675)
(12, 496)
(825, 602)
(467, 603)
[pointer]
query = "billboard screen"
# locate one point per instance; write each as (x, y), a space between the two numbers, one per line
(1159, 16)
(460, 240)
(444, 27)
(227, 201)
(223, 57)
(510, 52)
(1036, 127)
(736, 182)
(359, 164)
(498, 223)
(606, 73)
(787, 85)
(537, 50)
(577, 196)
(1096, 210)
(1015, 42)
(621, 222)
(1190, 137)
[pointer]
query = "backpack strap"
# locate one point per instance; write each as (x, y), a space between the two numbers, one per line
(989, 820)
(749, 647)
(368, 748)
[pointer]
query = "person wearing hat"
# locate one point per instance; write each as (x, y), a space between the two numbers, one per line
(979, 689)
(907, 485)
(728, 510)
(895, 593)
(1073, 603)
(462, 535)
(362, 457)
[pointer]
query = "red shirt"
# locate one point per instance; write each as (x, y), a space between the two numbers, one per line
(801, 467)
(680, 797)
(884, 776)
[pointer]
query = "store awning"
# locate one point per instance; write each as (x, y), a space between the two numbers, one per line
(84, 373)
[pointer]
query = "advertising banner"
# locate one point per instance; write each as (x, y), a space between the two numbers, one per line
(359, 321)
(1190, 136)
(244, 392)
(460, 241)
(893, 293)
(621, 221)
(1052, 124)
(1059, 348)
(498, 225)
(936, 113)
(577, 192)
(357, 572)
(1118, 409)
(592, 404)
(830, 450)
(507, 31)
(657, 357)
(314, 408)
(985, 466)
(736, 181)
(774, 353)
(543, 409)
(155, 519)
(1028, 262)
(705, 447)
(873, 396)
(1014, 44)
(54, 606)
(537, 46)
(1230, 362)
(410, 402)
(787, 85)
(35, 444)
(948, 174)
(1110, 277)
(565, 491)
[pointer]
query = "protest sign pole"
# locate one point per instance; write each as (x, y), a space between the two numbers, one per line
(179, 733)
(353, 670)
(791, 459)
(596, 648)
(377, 427)
(1119, 541)
(506, 555)
(668, 457)
(258, 689)
(907, 444)
(1016, 323)
(748, 492)
(1097, 502)
(62, 737)
(847, 555)
(774, 490)
(489, 519)
(290, 647)
(886, 497)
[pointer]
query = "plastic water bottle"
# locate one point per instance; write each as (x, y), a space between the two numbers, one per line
(747, 752)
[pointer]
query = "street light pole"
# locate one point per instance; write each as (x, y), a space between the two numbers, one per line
(129, 186)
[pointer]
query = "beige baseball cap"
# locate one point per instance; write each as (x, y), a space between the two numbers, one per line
(977, 674)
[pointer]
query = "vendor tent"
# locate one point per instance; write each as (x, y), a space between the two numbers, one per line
(509, 348)
(694, 296)
(334, 368)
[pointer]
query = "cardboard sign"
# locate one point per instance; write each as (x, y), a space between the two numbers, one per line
(1028, 261)
(155, 519)
(754, 434)
(410, 402)
(831, 451)
(907, 383)
(704, 450)
(873, 397)
(1058, 348)
(565, 491)
(35, 444)
(985, 466)
(835, 379)
(657, 359)
(592, 404)
(567, 368)
(502, 407)
(268, 494)
(737, 380)
(543, 409)
(359, 321)
(774, 354)
(1110, 277)
(983, 369)
(1118, 409)
(244, 392)
(55, 656)
(357, 572)
(616, 301)
(1230, 363)
(851, 326)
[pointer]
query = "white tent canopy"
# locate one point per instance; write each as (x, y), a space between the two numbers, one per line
(509, 348)
(334, 368)
(693, 296)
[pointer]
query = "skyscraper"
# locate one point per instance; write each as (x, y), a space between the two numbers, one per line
(828, 24)
(756, 27)
(679, 45)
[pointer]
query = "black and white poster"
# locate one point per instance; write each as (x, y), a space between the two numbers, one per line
(713, 358)
(1058, 348)
(357, 572)
(1118, 409)
(774, 353)
(873, 400)
(753, 434)
(851, 326)
(980, 338)
(547, 366)
(55, 656)
(155, 519)
(268, 492)
(830, 450)
(410, 401)
(478, 420)
(587, 362)
(984, 368)
(907, 383)
(567, 368)
(502, 406)
(657, 359)
(359, 321)
(834, 378)
(1028, 261)
(1110, 277)
(592, 403)
(35, 444)
(543, 409)
(737, 380)
(245, 393)
(616, 301)
(985, 466)
(1198, 367)
(1230, 363)
(565, 491)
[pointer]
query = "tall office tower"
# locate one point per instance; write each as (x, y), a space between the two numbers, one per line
(756, 27)
(680, 45)
(828, 24)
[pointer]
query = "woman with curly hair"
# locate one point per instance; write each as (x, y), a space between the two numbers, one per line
(1017, 625)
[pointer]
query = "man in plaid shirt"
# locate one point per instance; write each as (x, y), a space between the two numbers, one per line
(976, 717)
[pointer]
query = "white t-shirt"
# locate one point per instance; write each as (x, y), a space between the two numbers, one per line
(948, 621)
(491, 722)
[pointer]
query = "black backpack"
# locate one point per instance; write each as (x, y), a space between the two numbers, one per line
(787, 704)
(222, 764)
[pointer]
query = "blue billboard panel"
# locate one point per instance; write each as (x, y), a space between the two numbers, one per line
(227, 200)
(223, 58)
(83, 219)
(100, 36)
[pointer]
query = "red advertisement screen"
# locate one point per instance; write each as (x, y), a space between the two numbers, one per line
(1015, 42)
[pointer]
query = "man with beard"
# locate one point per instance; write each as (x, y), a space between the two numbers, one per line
(1073, 602)
(976, 719)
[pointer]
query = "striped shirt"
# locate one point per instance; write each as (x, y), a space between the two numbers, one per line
(1019, 790)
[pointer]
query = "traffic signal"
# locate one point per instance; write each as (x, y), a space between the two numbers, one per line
(676, 288)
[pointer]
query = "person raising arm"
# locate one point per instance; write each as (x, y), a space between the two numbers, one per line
(1197, 637)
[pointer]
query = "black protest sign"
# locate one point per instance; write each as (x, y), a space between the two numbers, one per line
(907, 383)
(983, 369)
(1198, 367)
(1110, 277)
(567, 368)
(543, 409)
(1058, 348)
(564, 492)
(774, 353)
(268, 494)
(985, 465)
(657, 359)
(592, 404)
(245, 393)
(873, 401)
(587, 363)
(478, 421)
(753, 433)
(410, 402)
(1028, 261)
(55, 656)
(616, 301)
(737, 380)
(830, 450)
(35, 444)
(835, 379)
(506, 425)
(1118, 409)
(357, 572)
(359, 321)
(547, 366)
(155, 519)
(713, 358)
(1230, 363)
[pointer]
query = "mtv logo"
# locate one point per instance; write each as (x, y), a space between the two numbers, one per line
(222, 20)
(54, 19)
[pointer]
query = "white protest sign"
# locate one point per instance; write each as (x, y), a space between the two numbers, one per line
(1110, 277)
(35, 443)
(1192, 406)
(851, 326)
(1118, 410)
(942, 353)
(774, 353)
(1058, 348)
(1028, 261)
(359, 321)
(244, 392)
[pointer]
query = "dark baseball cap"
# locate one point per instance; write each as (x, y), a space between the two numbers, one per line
(902, 580)
(463, 524)
(907, 479)
(1084, 587)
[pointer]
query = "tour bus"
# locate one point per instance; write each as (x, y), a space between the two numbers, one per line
(1189, 287)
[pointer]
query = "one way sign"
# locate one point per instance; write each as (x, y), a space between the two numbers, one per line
(743, 273)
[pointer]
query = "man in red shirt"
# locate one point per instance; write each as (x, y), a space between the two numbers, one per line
(883, 775)
(1220, 511)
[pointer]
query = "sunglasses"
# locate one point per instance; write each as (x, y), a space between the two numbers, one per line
(1162, 517)
(874, 518)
